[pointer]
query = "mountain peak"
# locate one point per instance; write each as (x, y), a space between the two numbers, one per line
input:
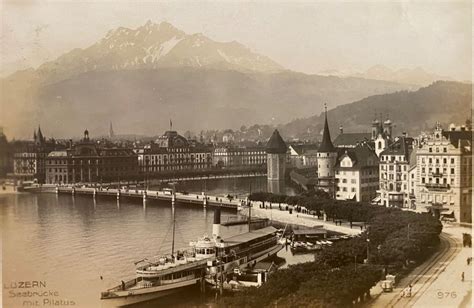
(152, 46)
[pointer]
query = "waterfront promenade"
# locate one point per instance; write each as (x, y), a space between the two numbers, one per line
(273, 213)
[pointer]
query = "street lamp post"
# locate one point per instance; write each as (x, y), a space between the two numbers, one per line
(368, 242)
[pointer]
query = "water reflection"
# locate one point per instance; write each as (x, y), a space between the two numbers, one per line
(71, 241)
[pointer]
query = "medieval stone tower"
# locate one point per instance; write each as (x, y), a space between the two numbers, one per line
(276, 163)
(326, 156)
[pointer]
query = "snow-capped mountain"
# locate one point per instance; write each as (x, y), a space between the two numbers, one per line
(142, 77)
(153, 46)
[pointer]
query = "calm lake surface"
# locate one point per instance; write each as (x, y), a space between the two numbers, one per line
(70, 242)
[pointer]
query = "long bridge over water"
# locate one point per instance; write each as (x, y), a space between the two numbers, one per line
(143, 194)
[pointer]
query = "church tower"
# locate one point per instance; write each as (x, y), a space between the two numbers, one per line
(375, 129)
(111, 132)
(387, 128)
(276, 163)
(326, 156)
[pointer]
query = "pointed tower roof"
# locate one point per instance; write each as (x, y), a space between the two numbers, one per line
(111, 131)
(275, 144)
(40, 134)
(326, 143)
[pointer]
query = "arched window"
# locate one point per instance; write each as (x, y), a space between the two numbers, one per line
(380, 145)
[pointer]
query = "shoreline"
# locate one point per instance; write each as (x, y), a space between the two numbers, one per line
(306, 220)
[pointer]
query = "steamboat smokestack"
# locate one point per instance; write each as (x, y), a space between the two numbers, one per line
(216, 226)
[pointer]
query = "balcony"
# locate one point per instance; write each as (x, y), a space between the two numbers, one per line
(436, 174)
(437, 187)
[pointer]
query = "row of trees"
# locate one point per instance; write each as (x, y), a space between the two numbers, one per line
(339, 276)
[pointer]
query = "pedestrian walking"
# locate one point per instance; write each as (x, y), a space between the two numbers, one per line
(462, 276)
(468, 261)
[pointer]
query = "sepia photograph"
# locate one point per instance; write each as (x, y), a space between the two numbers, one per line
(236, 153)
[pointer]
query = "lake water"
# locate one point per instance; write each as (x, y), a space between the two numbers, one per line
(70, 242)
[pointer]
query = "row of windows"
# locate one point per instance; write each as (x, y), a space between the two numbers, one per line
(391, 168)
(437, 149)
(392, 158)
(121, 168)
(436, 170)
(436, 181)
(436, 160)
(345, 189)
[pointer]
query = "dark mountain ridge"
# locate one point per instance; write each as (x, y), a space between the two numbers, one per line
(410, 111)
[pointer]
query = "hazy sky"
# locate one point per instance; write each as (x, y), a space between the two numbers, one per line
(307, 36)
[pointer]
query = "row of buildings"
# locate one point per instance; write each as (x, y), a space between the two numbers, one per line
(86, 160)
(432, 172)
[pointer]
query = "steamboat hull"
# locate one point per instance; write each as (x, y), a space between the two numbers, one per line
(135, 296)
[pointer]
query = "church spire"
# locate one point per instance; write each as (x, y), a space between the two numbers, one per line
(326, 143)
(40, 135)
(111, 131)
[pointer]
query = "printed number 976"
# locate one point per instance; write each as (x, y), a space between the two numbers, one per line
(446, 294)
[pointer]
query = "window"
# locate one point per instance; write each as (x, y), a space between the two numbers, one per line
(452, 160)
(452, 170)
(353, 181)
(445, 150)
(423, 180)
(353, 189)
(445, 161)
(431, 150)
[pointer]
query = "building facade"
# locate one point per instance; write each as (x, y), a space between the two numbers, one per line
(396, 162)
(172, 152)
(303, 155)
(444, 173)
(357, 176)
(88, 162)
(236, 157)
(29, 161)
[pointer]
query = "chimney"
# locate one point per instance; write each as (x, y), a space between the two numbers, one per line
(404, 134)
(341, 129)
(216, 226)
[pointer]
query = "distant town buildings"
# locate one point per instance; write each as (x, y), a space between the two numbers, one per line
(88, 162)
(5, 154)
(172, 152)
(29, 160)
(234, 156)
(303, 155)
(430, 173)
